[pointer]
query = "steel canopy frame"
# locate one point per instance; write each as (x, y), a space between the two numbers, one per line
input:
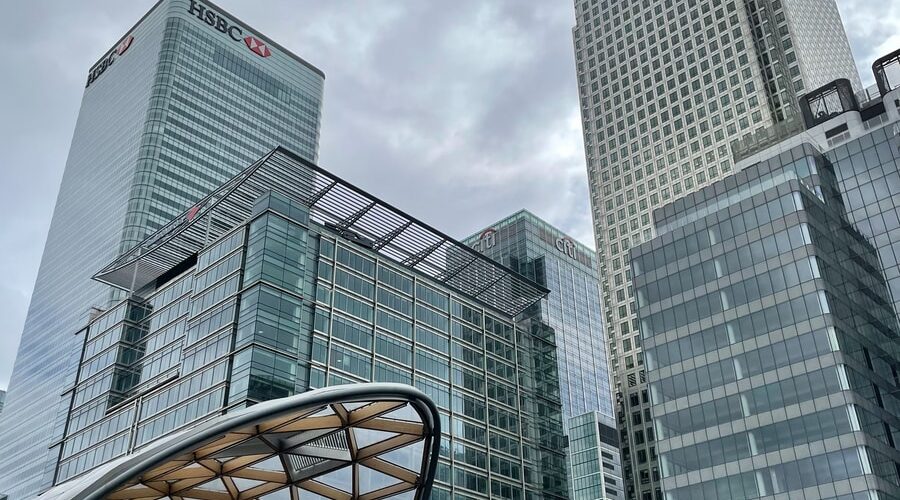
(342, 206)
(359, 441)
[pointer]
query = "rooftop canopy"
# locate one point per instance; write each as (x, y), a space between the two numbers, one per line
(361, 441)
(342, 207)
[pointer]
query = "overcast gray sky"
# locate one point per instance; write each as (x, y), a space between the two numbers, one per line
(457, 112)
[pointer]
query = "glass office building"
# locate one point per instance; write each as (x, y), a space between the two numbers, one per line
(664, 88)
(187, 95)
(572, 312)
(859, 134)
(770, 339)
(543, 253)
(868, 170)
(595, 469)
(287, 279)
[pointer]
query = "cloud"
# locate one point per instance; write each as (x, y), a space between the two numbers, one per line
(873, 29)
(458, 112)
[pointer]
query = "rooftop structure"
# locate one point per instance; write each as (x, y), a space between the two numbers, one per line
(334, 203)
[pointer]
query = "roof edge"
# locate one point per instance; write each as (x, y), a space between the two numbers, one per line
(234, 18)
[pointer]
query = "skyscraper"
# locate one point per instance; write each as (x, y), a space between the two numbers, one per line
(665, 86)
(288, 278)
(186, 97)
(571, 313)
(534, 248)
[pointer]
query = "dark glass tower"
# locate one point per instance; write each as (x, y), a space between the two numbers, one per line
(187, 97)
(545, 254)
(571, 313)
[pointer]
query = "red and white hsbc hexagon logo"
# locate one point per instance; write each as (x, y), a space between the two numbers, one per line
(257, 46)
(124, 45)
(222, 24)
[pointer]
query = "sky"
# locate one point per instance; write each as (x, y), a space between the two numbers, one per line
(459, 113)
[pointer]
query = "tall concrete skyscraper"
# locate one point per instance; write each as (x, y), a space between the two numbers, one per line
(665, 87)
(182, 101)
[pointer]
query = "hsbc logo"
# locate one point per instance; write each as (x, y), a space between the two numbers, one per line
(124, 45)
(108, 61)
(257, 46)
(233, 31)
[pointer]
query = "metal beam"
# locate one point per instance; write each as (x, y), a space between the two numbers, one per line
(489, 285)
(448, 277)
(322, 192)
(387, 238)
(412, 260)
(349, 221)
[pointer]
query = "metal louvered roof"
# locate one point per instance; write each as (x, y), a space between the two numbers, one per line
(339, 205)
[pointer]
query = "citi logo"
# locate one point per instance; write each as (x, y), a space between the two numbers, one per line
(222, 24)
(566, 246)
(257, 46)
(487, 240)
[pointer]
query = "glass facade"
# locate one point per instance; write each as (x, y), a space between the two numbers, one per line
(868, 170)
(175, 109)
(281, 304)
(665, 87)
(770, 339)
(595, 470)
(572, 312)
(534, 248)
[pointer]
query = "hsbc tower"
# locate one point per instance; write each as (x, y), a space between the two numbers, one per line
(187, 90)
